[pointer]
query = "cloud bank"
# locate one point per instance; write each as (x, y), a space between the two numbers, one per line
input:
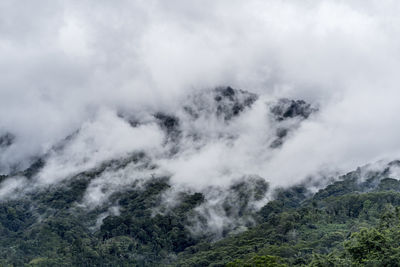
(71, 69)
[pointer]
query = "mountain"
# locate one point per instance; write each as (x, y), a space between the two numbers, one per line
(91, 201)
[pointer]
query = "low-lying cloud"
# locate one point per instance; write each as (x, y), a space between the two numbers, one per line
(99, 72)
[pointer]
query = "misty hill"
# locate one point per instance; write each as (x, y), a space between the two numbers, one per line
(354, 221)
(199, 133)
(96, 199)
(50, 226)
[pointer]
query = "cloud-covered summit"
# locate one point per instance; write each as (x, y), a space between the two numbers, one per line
(87, 66)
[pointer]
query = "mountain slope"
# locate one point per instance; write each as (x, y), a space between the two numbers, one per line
(317, 230)
(49, 227)
(182, 189)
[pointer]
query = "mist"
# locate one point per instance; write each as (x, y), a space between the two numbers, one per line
(91, 75)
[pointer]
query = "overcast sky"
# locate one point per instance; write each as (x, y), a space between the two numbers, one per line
(69, 65)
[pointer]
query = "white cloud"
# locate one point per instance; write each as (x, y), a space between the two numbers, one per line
(64, 63)
(106, 138)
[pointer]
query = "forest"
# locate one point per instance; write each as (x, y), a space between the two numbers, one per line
(353, 221)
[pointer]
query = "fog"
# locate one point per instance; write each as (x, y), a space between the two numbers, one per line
(70, 69)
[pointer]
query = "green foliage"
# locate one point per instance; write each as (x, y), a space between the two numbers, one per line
(324, 230)
(47, 228)
(258, 261)
(351, 222)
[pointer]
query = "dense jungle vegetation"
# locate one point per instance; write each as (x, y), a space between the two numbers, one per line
(351, 222)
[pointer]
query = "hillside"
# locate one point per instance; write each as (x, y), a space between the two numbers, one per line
(335, 226)
(92, 201)
(352, 222)
(199, 133)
